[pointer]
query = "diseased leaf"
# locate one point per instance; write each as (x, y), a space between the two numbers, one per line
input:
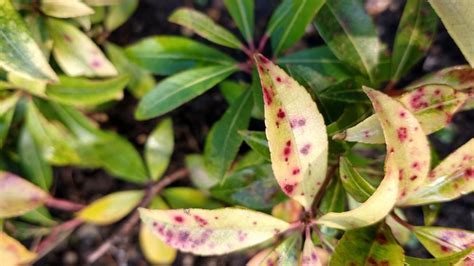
(406, 139)
(432, 105)
(414, 36)
(350, 34)
(286, 253)
(32, 163)
(452, 178)
(18, 51)
(159, 148)
(296, 134)
(242, 11)
(442, 241)
(374, 245)
(167, 55)
(65, 9)
(223, 141)
(257, 141)
(76, 54)
(458, 18)
(13, 252)
(310, 256)
(355, 184)
(154, 250)
(290, 27)
(457, 77)
(374, 209)
(253, 187)
(120, 13)
(111, 208)
(186, 197)
(140, 81)
(180, 88)
(18, 196)
(205, 27)
(81, 91)
(260, 257)
(212, 232)
(443, 261)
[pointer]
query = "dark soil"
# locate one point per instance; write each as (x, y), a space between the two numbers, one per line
(192, 122)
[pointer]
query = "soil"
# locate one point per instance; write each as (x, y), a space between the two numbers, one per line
(192, 122)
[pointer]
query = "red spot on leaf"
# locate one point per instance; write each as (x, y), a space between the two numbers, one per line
(296, 171)
(267, 96)
(179, 219)
(381, 239)
(413, 177)
(402, 133)
(96, 63)
(305, 149)
(281, 113)
(289, 188)
(400, 174)
(67, 38)
(445, 249)
(416, 165)
(278, 79)
(403, 114)
(201, 221)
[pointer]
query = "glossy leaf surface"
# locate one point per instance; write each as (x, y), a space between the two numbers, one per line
(212, 232)
(159, 148)
(296, 134)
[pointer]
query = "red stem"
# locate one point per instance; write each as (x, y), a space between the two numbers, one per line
(263, 42)
(69, 225)
(63, 204)
(401, 221)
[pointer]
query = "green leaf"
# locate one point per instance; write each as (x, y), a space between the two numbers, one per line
(257, 141)
(355, 184)
(111, 208)
(442, 241)
(13, 252)
(334, 199)
(140, 81)
(443, 261)
(451, 179)
(374, 209)
(76, 53)
(180, 88)
(34, 167)
(39, 216)
(291, 26)
(414, 36)
(296, 134)
(65, 9)
(186, 197)
(350, 34)
(430, 213)
(253, 187)
(81, 91)
(18, 196)
(18, 51)
(167, 55)
(102, 2)
(199, 174)
(205, 27)
(374, 245)
(212, 232)
(32, 86)
(459, 21)
(159, 148)
(120, 13)
(347, 91)
(242, 11)
(7, 110)
(223, 141)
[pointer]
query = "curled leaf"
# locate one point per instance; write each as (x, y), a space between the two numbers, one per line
(212, 232)
(18, 196)
(296, 134)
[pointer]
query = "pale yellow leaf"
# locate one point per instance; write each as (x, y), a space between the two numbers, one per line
(154, 249)
(212, 232)
(13, 253)
(296, 134)
(65, 8)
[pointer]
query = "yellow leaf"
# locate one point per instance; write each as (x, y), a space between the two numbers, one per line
(405, 139)
(212, 232)
(18, 196)
(13, 253)
(374, 208)
(65, 9)
(296, 134)
(154, 250)
(111, 208)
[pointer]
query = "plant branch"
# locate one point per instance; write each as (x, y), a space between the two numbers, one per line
(319, 196)
(55, 232)
(133, 219)
(401, 221)
(63, 204)
(263, 42)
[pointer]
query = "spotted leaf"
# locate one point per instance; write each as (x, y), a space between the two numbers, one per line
(13, 252)
(451, 179)
(286, 253)
(442, 241)
(18, 196)
(296, 134)
(374, 208)
(312, 256)
(212, 232)
(432, 105)
(458, 77)
(406, 139)
(76, 54)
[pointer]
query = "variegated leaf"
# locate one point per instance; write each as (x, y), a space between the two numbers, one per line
(18, 196)
(442, 241)
(296, 134)
(406, 139)
(432, 105)
(451, 179)
(374, 208)
(212, 232)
